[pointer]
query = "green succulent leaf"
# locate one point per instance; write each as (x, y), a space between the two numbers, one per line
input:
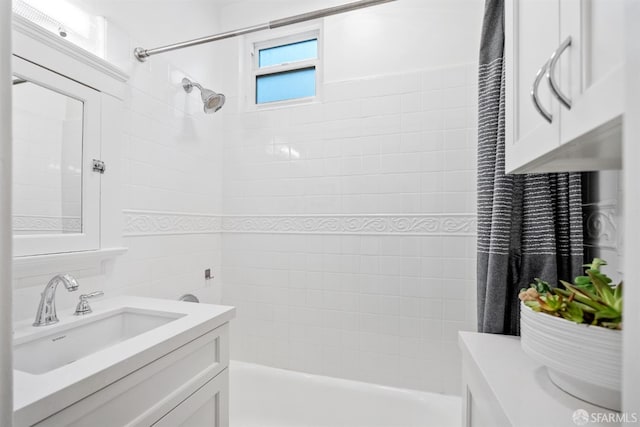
(608, 314)
(592, 299)
(533, 305)
(576, 300)
(541, 286)
(585, 308)
(612, 325)
(584, 282)
(577, 290)
(603, 289)
(617, 292)
(573, 312)
(554, 303)
(596, 264)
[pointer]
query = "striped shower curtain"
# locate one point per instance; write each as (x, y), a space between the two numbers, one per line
(528, 225)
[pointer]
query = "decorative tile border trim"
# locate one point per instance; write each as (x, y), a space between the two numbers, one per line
(143, 223)
(601, 225)
(436, 224)
(148, 223)
(26, 224)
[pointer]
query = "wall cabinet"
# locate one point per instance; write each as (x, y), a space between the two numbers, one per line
(67, 111)
(56, 200)
(564, 85)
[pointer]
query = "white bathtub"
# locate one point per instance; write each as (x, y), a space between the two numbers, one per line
(269, 397)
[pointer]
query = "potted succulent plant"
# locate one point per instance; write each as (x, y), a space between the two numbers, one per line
(575, 331)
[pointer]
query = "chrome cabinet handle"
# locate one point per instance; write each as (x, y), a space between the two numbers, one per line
(534, 94)
(553, 61)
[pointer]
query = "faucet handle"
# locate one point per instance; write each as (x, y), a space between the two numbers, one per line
(83, 306)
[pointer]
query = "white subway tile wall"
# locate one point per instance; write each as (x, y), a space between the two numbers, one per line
(378, 308)
(358, 307)
(171, 162)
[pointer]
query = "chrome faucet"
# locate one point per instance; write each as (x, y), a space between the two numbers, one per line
(83, 306)
(46, 314)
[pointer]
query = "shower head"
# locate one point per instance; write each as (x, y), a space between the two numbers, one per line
(212, 101)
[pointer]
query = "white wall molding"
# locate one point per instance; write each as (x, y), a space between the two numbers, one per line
(601, 225)
(42, 265)
(53, 41)
(45, 49)
(144, 223)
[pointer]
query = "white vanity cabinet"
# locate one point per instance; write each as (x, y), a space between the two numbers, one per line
(503, 387)
(191, 382)
(566, 56)
(153, 362)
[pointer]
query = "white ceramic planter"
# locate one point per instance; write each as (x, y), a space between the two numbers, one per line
(584, 361)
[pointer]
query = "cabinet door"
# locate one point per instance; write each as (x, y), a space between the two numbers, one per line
(57, 134)
(532, 34)
(594, 77)
(207, 407)
(480, 407)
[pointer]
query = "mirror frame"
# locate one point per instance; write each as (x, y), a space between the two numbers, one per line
(89, 238)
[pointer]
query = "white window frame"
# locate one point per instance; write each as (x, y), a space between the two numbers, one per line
(281, 38)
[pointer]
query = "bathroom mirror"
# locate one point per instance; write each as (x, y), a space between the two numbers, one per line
(56, 135)
(47, 160)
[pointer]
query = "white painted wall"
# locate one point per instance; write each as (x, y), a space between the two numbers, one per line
(6, 367)
(159, 22)
(407, 35)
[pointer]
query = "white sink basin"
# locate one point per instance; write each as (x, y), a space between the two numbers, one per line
(59, 346)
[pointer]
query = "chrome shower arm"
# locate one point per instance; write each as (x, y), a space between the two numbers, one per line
(142, 54)
(188, 85)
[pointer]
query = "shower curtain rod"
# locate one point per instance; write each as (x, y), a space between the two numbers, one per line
(142, 54)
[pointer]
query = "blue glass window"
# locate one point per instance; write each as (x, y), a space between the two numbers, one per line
(286, 85)
(278, 79)
(287, 53)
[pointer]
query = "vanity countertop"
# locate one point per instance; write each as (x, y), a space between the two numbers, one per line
(37, 396)
(520, 386)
